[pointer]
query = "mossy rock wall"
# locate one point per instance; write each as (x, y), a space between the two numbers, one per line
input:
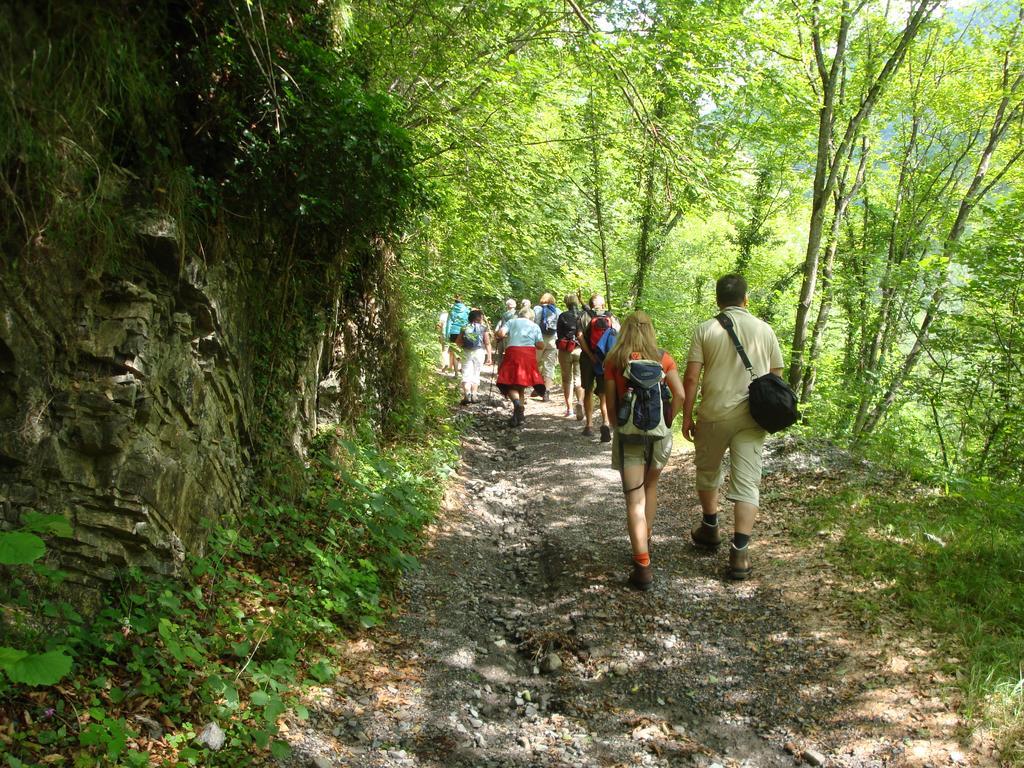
(128, 401)
(194, 265)
(124, 406)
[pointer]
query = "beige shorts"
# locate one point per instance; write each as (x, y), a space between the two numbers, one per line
(744, 440)
(547, 357)
(569, 363)
(633, 455)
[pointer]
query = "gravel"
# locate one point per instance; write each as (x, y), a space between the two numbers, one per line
(519, 643)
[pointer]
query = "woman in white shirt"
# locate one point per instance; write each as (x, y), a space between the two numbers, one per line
(519, 366)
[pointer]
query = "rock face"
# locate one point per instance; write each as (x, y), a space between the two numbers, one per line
(127, 402)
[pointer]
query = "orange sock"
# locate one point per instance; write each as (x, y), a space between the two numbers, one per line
(644, 559)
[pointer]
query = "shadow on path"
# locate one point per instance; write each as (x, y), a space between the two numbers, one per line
(519, 643)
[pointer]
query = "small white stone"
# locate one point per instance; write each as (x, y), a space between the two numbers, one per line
(813, 757)
(211, 736)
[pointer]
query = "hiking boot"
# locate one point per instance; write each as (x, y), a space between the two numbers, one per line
(518, 414)
(739, 564)
(579, 412)
(466, 400)
(546, 398)
(606, 434)
(568, 412)
(706, 536)
(641, 578)
(588, 432)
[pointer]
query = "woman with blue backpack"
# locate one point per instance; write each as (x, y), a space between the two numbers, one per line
(458, 316)
(546, 316)
(643, 392)
(475, 340)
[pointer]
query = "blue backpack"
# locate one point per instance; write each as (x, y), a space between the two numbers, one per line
(473, 336)
(603, 347)
(548, 319)
(457, 317)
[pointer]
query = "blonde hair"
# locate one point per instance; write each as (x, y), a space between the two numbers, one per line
(635, 336)
(525, 312)
(547, 298)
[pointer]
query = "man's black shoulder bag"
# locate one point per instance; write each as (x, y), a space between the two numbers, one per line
(772, 402)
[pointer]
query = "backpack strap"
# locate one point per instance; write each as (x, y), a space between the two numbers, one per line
(726, 322)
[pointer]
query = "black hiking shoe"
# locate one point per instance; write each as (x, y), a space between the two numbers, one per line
(588, 432)
(606, 434)
(466, 400)
(518, 414)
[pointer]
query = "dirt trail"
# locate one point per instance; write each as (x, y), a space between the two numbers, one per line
(519, 643)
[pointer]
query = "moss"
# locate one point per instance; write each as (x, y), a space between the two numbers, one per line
(259, 143)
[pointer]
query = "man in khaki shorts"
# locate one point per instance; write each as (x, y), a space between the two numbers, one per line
(725, 422)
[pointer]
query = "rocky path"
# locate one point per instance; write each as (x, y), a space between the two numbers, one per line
(519, 643)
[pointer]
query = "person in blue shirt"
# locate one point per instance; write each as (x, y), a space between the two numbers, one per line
(458, 316)
(519, 366)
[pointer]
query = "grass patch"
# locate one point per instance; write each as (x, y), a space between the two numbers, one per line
(953, 559)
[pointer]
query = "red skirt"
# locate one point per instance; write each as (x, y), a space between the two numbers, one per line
(519, 370)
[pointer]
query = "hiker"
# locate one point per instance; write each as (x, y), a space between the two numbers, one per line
(569, 352)
(638, 380)
(519, 368)
(475, 340)
(442, 335)
(590, 338)
(506, 317)
(724, 420)
(458, 316)
(546, 316)
(525, 304)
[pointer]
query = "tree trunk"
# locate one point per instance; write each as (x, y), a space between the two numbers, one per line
(644, 254)
(1005, 115)
(828, 159)
(842, 203)
(595, 166)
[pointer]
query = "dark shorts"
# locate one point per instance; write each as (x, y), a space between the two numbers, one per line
(590, 380)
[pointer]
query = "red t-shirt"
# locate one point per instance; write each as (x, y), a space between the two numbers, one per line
(667, 364)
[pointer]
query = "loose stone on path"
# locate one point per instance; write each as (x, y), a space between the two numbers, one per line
(522, 646)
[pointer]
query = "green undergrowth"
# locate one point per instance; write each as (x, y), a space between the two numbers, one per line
(250, 625)
(952, 559)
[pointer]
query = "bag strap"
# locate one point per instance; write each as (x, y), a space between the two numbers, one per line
(726, 322)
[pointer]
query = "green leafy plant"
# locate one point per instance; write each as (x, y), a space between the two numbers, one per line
(25, 547)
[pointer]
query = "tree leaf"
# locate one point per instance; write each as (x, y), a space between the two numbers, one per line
(20, 548)
(10, 655)
(34, 522)
(280, 749)
(39, 668)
